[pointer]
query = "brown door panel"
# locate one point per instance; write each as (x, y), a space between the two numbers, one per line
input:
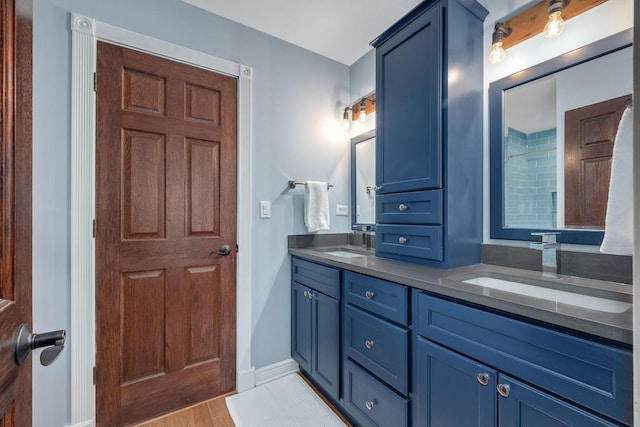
(165, 202)
(589, 137)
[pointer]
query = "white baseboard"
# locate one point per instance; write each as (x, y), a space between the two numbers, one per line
(275, 371)
(88, 423)
(246, 380)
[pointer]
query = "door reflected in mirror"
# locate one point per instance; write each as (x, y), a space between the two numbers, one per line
(363, 181)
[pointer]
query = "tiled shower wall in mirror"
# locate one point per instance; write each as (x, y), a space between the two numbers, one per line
(530, 179)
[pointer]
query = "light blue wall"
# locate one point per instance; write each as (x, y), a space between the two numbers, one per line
(363, 75)
(297, 98)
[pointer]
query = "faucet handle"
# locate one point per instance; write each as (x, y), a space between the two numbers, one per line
(547, 236)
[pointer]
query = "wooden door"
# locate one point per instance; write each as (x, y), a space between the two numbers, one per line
(15, 209)
(589, 136)
(166, 202)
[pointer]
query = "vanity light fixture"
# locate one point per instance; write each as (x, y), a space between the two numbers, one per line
(345, 118)
(363, 108)
(500, 32)
(555, 24)
(530, 22)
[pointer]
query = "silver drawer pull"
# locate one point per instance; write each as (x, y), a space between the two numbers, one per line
(402, 240)
(402, 207)
(503, 389)
(306, 294)
(369, 405)
(368, 344)
(311, 295)
(369, 294)
(483, 378)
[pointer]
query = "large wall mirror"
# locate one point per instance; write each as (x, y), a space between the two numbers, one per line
(363, 181)
(552, 131)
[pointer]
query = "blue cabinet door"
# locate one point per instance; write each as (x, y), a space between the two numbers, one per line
(301, 330)
(521, 405)
(408, 91)
(453, 390)
(326, 343)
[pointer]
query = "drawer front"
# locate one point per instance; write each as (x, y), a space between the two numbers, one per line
(370, 402)
(378, 345)
(414, 241)
(319, 277)
(420, 207)
(591, 374)
(387, 299)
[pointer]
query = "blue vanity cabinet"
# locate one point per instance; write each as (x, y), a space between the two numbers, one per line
(429, 135)
(376, 336)
(453, 390)
(538, 376)
(315, 324)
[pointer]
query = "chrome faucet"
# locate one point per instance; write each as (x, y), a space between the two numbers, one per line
(548, 246)
(365, 237)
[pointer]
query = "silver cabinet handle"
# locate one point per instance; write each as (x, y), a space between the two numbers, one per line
(369, 405)
(483, 378)
(503, 389)
(369, 295)
(311, 295)
(402, 240)
(306, 294)
(402, 207)
(368, 344)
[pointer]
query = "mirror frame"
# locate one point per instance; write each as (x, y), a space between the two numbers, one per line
(354, 214)
(575, 57)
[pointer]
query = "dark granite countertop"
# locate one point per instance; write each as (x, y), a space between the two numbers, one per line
(610, 325)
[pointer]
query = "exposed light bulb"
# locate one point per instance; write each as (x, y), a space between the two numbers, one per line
(497, 53)
(345, 119)
(554, 25)
(363, 112)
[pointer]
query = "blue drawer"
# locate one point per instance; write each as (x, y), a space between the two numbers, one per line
(594, 375)
(410, 240)
(418, 207)
(378, 296)
(378, 345)
(319, 277)
(370, 402)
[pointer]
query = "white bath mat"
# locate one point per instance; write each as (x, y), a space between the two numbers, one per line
(285, 402)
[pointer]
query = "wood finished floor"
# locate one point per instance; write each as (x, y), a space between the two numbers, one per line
(212, 413)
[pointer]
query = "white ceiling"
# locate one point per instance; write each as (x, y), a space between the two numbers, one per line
(338, 29)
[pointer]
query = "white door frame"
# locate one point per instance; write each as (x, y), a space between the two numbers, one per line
(85, 34)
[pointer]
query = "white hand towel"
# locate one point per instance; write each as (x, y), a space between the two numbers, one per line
(316, 206)
(618, 234)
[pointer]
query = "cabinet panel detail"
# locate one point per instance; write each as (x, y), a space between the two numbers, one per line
(408, 107)
(386, 299)
(452, 390)
(379, 346)
(324, 279)
(371, 402)
(525, 406)
(591, 374)
(418, 207)
(416, 241)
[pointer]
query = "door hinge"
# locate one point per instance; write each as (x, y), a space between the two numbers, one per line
(95, 82)
(236, 248)
(95, 228)
(94, 375)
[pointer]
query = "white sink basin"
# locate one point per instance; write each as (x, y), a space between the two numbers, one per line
(570, 298)
(343, 254)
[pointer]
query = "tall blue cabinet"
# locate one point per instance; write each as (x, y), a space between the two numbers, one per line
(429, 135)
